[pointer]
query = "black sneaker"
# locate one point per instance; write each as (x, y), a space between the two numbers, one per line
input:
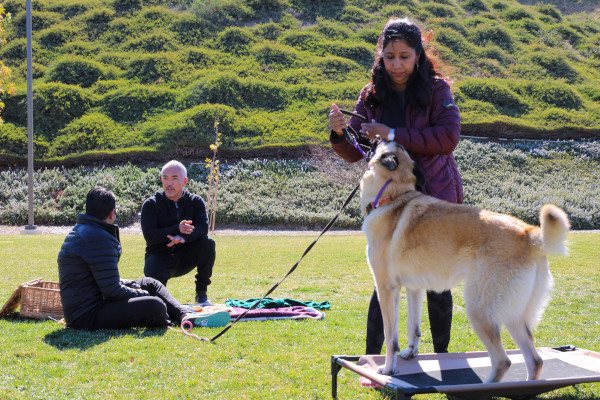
(202, 299)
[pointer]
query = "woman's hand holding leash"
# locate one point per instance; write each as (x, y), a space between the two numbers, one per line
(372, 129)
(337, 121)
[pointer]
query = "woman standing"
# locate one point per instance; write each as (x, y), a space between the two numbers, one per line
(408, 101)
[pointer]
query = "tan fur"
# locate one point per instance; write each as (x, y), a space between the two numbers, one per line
(420, 242)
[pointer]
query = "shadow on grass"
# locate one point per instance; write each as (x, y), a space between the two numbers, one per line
(67, 338)
(64, 338)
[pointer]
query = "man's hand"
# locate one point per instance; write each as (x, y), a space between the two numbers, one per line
(175, 240)
(186, 227)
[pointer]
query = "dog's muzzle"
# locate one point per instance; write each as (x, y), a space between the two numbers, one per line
(389, 160)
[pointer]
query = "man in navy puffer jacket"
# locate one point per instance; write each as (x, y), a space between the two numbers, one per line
(93, 296)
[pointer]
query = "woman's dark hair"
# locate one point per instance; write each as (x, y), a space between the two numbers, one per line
(418, 87)
(99, 202)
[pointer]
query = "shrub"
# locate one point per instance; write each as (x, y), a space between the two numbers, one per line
(226, 88)
(568, 34)
(93, 131)
(302, 40)
(262, 8)
(550, 92)
(191, 132)
(57, 104)
(127, 6)
(455, 41)
(482, 108)
(357, 52)
(332, 30)
(191, 30)
(496, 34)
(201, 57)
(55, 36)
(507, 101)
(490, 67)
(151, 20)
(561, 117)
(115, 58)
(81, 48)
(40, 20)
(136, 102)
(75, 71)
(592, 92)
(106, 86)
(222, 13)
(496, 53)
(15, 52)
(353, 15)
(551, 11)
(528, 25)
(268, 31)
(440, 10)
(235, 40)
(96, 21)
(516, 13)
(151, 68)
(151, 43)
(474, 6)
(555, 65)
(14, 140)
(70, 8)
(337, 68)
(499, 5)
(276, 55)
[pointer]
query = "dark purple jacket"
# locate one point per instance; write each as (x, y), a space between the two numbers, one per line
(430, 136)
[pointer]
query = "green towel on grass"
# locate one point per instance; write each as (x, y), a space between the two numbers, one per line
(277, 303)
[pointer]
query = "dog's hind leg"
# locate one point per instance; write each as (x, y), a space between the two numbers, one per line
(521, 334)
(489, 334)
(482, 316)
(389, 301)
(413, 322)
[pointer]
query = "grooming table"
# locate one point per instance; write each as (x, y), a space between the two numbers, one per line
(462, 374)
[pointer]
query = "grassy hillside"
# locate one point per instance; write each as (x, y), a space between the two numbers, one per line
(152, 76)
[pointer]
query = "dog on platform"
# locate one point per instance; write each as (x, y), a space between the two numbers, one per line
(422, 243)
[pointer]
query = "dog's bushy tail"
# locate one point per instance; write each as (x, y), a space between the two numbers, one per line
(555, 225)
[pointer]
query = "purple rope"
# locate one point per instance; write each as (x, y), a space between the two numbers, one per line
(376, 202)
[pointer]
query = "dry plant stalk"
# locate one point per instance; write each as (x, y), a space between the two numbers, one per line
(213, 179)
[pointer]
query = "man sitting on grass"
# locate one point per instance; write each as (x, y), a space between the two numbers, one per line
(93, 296)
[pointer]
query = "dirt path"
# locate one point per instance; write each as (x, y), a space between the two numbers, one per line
(135, 229)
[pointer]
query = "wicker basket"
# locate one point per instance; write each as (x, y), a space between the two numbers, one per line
(41, 300)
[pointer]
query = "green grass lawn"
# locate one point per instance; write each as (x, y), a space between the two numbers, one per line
(253, 360)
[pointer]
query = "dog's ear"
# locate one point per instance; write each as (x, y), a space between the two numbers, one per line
(389, 160)
(420, 175)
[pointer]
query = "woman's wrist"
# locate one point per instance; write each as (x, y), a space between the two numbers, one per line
(391, 136)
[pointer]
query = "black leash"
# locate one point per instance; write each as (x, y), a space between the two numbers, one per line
(329, 225)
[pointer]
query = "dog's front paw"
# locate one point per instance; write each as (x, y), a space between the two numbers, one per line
(410, 352)
(384, 370)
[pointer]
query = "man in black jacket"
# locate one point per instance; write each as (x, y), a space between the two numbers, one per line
(175, 226)
(92, 294)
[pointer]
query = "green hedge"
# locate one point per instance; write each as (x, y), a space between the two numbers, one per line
(134, 103)
(93, 131)
(75, 71)
(57, 104)
(191, 132)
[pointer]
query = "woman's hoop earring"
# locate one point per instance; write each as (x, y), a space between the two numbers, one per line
(417, 66)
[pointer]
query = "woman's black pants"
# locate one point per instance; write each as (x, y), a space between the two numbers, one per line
(439, 307)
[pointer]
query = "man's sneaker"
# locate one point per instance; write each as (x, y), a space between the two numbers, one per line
(202, 299)
(209, 319)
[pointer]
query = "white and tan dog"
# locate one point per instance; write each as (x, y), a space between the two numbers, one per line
(420, 242)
